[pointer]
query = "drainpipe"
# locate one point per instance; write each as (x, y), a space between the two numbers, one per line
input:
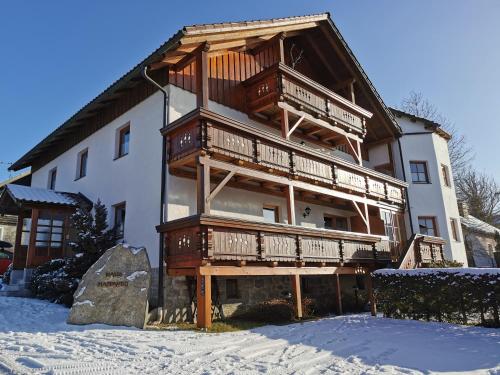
(161, 259)
(404, 179)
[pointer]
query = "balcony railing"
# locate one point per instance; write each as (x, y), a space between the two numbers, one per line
(214, 238)
(282, 83)
(227, 139)
(421, 251)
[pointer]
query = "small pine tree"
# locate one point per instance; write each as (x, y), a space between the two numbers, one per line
(57, 280)
(92, 236)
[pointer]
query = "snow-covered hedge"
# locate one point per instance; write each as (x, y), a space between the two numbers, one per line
(459, 295)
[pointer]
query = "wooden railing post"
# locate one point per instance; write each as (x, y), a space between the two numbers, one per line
(203, 188)
(261, 246)
(341, 251)
(300, 256)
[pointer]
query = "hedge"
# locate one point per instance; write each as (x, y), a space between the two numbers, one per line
(455, 295)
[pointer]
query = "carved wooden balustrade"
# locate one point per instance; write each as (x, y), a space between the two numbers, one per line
(422, 250)
(230, 140)
(282, 83)
(190, 240)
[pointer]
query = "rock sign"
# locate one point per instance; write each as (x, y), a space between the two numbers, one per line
(114, 290)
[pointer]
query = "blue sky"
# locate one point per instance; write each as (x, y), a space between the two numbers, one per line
(55, 56)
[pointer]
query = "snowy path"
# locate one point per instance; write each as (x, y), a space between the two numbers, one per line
(34, 339)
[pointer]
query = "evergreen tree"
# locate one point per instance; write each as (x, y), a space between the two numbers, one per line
(58, 279)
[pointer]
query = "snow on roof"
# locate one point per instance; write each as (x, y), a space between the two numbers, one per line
(473, 223)
(39, 195)
(430, 271)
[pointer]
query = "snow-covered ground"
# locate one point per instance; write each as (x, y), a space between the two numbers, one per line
(34, 338)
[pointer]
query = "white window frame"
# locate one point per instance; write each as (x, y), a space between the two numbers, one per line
(79, 164)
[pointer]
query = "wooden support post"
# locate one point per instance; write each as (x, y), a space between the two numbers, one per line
(281, 46)
(367, 216)
(30, 254)
(203, 188)
(297, 295)
(339, 295)
(202, 77)
(203, 300)
(284, 123)
(371, 296)
(290, 204)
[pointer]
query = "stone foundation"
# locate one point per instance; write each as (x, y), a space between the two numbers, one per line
(237, 294)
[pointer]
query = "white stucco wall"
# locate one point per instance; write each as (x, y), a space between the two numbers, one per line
(134, 178)
(433, 199)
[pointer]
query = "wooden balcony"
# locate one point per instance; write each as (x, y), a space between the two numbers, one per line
(281, 83)
(224, 139)
(421, 251)
(199, 239)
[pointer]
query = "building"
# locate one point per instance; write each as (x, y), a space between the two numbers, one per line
(272, 173)
(480, 240)
(8, 223)
(432, 207)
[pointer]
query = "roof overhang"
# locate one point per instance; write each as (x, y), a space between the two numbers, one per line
(180, 47)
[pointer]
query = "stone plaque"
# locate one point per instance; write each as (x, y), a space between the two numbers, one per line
(114, 290)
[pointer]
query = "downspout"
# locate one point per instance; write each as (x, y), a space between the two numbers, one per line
(161, 258)
(404, 179)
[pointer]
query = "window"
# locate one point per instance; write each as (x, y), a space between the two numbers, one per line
(271, 214)
(427, 226)
(1, 233)
(123, 141)
(490, 249)
(49, 233)
(335, 222)
(81, 168)
(419, 174)
(25, 232)
(119, 220)
(445, 171)
(232, 289)
(52, 179)
(454, 229)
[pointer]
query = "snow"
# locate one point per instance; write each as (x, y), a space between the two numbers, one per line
(136, 274)
(86, 302)
(430, 271)
(35, 339)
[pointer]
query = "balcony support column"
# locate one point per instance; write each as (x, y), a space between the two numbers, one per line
(202, 76)
(371, 296)
(203, 300)
(285, 127)
(290, 204)
(203, 188)
(297, 295)
(338, 294)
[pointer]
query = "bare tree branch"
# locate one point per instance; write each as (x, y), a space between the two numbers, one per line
(481, 193)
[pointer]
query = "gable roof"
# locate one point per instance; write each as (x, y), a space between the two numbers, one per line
(429, 124)
(181, 40)
(26, 194)
(474, 224)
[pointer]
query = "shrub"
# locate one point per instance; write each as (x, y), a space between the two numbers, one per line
(6, 274)
(452, 295)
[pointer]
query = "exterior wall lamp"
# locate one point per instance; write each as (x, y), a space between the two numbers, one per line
(307, 212)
